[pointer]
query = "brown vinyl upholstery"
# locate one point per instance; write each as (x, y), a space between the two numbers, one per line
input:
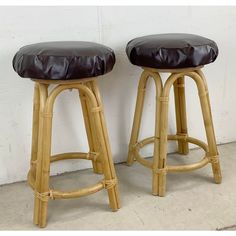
(63, 60)
(171, 51)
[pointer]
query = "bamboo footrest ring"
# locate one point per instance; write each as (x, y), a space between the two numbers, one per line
(181, 168)
(54, 194)
(93, 156)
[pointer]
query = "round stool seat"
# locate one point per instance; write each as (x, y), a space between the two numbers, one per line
(63, 60)
(171, 51)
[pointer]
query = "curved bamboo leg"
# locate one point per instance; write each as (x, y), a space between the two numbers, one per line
(43, 93)
(108, 166)
(45, 162)
(35, 131)
(137, 116)
(208, 122)
(94, 134)
(163, 129)
(206, 112)
(89, 126)
(163, 135)
(200, 81)
(181, 117)
(155, 175)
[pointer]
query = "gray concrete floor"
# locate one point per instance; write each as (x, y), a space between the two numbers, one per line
(192, 202)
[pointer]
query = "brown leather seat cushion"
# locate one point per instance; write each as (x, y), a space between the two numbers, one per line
(170, 51)
(63, 60)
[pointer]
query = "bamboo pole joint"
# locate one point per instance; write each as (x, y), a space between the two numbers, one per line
(163, 99)
(203, 93)
(96, 109)
(46, 114)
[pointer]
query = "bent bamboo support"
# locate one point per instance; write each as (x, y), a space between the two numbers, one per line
(99, 153)
(160, 139)
(181, 116)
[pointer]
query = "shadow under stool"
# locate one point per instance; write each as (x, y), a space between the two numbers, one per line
(181, 55)
(67, 65)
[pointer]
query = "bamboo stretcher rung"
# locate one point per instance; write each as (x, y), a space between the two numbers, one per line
(181, 168)
(75, 155)
(77, 193)
(56, 194)
(189, 167)
(192, 140)
(142, 161)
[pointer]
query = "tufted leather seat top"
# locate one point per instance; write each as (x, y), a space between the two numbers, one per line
(170, 51)
(63, 60)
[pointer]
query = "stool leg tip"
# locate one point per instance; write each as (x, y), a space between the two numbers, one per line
(218, 180)
(154, 193)
(129, 163)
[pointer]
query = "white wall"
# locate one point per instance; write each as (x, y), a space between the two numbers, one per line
(114, 27)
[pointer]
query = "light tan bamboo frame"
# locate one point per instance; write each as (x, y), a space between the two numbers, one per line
(159, 166)
(99, 153)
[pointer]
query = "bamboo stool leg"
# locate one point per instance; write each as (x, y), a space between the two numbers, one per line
(137, 116)
(43, 93)
(43, 165)
(108, 166)
(163, 132)
(35, 131)
(181, 117)
(47, 132)
(89, 126)
(155, 167)
(98, 164)
(208, 122)
(155, 175)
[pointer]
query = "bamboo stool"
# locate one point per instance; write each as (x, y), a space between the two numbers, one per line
(67, 65)
(181, 55)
